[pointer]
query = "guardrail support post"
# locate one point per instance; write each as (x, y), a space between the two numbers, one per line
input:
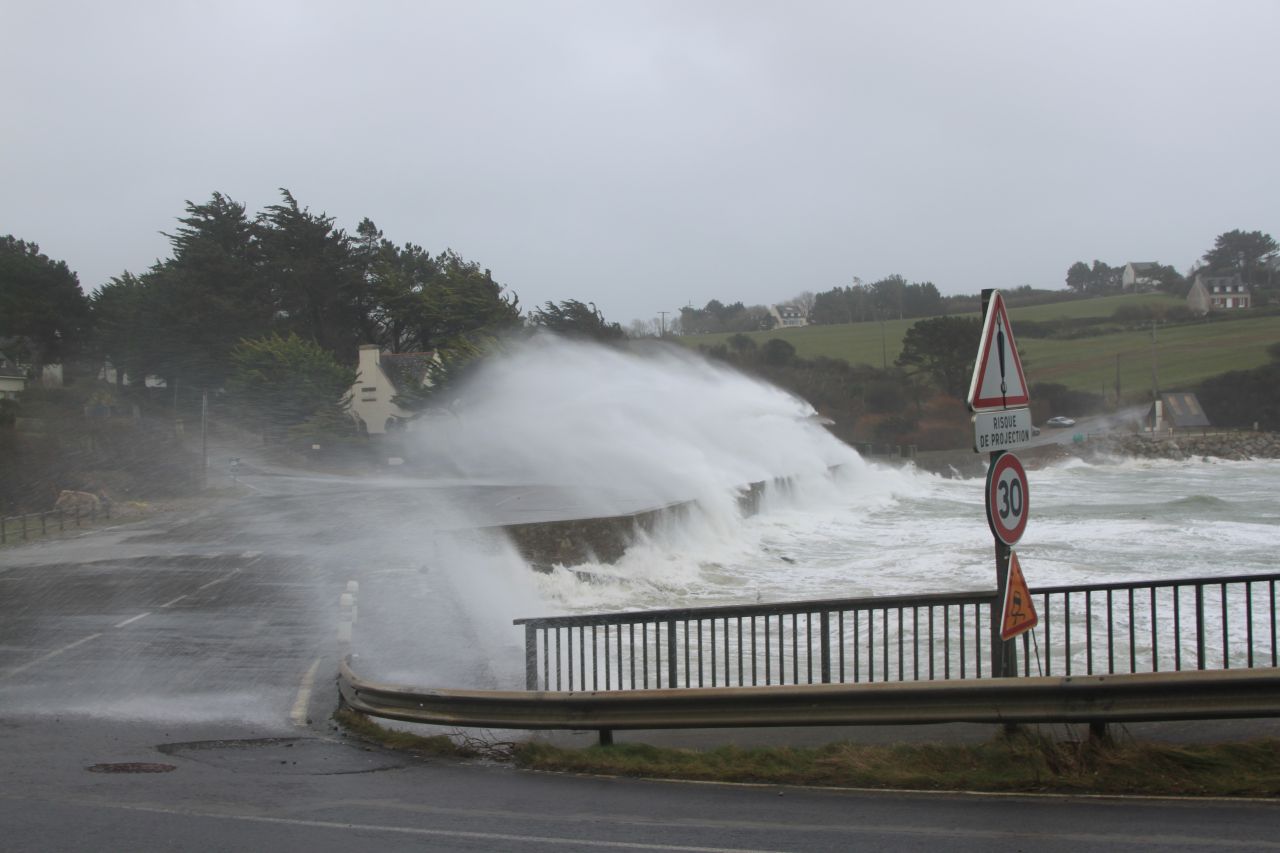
(530, 657)
(825, 627)
(606, 737)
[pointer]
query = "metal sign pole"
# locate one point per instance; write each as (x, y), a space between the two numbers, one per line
(1003, 654)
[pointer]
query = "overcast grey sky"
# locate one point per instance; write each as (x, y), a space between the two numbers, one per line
(644, 156)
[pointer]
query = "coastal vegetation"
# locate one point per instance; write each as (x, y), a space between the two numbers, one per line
(261, 316)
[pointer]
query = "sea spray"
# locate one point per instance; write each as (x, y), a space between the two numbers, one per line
(660, 425)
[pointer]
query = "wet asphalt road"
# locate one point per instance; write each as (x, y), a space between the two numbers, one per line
(204, 647)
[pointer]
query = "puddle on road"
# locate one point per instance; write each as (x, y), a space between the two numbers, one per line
(275, 755)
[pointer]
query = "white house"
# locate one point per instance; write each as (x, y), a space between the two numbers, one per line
(788, 316)
(1139, 276)
(380, 377)
(13, 380)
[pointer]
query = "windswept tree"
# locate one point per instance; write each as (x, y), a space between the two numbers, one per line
(312, 274)
(943, 348)
(40, 302)
(279, 382)
(1243, 252)
(576, 319)
(1097, 279)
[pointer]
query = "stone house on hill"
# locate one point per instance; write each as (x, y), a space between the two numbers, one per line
(380, 377)
(1218, 293)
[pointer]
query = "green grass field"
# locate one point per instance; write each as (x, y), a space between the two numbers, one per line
(1184, 355)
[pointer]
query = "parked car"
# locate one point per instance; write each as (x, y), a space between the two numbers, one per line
(1060, 422)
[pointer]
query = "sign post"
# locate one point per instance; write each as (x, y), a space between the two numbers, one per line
(999, 400)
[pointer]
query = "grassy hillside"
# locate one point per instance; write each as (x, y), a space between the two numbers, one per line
(1184, 355)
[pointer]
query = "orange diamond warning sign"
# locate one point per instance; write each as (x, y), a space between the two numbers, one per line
(1019, 614)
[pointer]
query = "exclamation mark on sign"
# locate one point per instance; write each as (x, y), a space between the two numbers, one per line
(1004, 387)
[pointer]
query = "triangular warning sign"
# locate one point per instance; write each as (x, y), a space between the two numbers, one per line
(1019, 612)
(998, 381)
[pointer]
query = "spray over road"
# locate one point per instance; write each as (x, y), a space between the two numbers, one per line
(202, 646)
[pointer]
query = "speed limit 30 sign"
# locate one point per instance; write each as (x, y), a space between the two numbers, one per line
(1007, 498)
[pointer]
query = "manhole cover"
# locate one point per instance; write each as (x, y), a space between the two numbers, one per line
(132, 767)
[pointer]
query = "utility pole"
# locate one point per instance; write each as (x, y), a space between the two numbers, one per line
(204, 436)
(1117, 381)
(1155, 383)
(1155, 373)
(663, 315)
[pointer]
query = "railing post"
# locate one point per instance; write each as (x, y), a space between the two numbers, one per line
(1199, 626)
(824, 622)
(530, 657)
(671, 653)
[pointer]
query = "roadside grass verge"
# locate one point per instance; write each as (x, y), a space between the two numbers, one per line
(433, 746)
(1028, 760)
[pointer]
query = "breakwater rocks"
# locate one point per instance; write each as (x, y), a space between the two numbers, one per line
(1220, 445)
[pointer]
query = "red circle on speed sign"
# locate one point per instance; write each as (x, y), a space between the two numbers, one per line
(1007, 498)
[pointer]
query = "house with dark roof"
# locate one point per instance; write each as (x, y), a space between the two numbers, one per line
(1139, 276)
(788, 316)
(380, 377)
(1181, 410)
(1218, 292)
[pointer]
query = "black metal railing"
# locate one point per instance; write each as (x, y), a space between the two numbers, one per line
(1156, 626)
(1146, 626)
(23, 527)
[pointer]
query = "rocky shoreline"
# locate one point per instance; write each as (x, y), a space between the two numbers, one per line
(572, 543)
(1237, 446)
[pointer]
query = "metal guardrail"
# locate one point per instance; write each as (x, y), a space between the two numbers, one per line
(1132, 627)
(25, 531)
(1097, 699)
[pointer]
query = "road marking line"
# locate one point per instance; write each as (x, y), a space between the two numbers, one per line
(448, 833)
(51, 655)
(132, 619)
(299, 713)
(219, 580)
(171, 603)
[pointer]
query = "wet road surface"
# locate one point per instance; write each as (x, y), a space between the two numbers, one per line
(167, 686)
